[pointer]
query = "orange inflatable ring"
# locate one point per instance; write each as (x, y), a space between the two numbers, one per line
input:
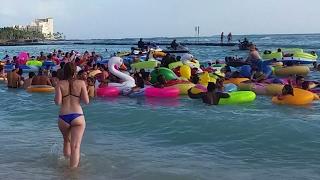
(40, 89)
(159, 54)
(301, 97)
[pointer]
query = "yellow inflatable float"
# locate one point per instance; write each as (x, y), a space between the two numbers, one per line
(205, 78)
(301, 97)
(122, 54)
(184, 87)
(159, 54)
(292, 70)
(274, 89)
(175, 65)
(185, 72)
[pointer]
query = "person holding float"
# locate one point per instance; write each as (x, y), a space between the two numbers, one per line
(212, 97)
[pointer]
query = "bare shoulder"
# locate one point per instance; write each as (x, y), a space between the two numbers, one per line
(61, 83)
(79, 83)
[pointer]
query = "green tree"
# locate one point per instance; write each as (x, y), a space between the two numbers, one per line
(9, 33)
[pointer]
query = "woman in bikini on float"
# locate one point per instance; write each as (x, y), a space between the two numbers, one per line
(69, 93)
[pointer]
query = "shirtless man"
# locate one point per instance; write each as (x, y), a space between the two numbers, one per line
(14, 79)
(42, 57)
(40, 79)
(27, 82)
(254, 55)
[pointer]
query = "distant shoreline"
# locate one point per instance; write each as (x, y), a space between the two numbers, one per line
(82, 42)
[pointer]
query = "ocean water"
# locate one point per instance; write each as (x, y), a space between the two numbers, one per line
(164, 139)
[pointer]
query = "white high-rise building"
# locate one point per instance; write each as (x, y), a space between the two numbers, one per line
(45, 26)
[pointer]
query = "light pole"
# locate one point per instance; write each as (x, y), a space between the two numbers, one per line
(197, 33)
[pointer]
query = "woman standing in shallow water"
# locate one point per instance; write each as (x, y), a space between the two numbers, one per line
(69, 93)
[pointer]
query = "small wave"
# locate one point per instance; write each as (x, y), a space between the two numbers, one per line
(56, 149)
(265, 38)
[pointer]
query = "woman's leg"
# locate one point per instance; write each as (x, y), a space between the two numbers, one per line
(77, 129)
(65, 130)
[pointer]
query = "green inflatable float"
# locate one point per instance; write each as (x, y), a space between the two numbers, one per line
(34, 62)
(145, 65)
(238, 97)
(271, 55)
(175, 64)
(167, 73)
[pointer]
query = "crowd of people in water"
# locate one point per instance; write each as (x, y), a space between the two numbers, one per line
(91, 72)
(77, 76)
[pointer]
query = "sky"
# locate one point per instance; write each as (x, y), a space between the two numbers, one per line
(95, 19)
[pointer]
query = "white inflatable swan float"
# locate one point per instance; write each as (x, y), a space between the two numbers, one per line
(128, 83)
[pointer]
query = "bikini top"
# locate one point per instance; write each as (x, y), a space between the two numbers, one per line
(70, 93)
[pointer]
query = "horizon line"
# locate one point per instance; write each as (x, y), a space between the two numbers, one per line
(172, 37)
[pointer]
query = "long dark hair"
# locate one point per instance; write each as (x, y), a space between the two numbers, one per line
(69, 70)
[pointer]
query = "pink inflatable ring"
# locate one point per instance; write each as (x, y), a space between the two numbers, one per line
(167, 92)
(108, 92)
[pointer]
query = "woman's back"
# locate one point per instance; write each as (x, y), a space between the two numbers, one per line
(71, 93)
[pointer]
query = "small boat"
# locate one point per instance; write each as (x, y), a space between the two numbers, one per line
(244, 45)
